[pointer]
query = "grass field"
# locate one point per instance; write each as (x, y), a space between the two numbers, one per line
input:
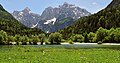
(46, 54)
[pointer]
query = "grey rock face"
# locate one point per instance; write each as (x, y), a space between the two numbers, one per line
(52, 19)
(26, 17)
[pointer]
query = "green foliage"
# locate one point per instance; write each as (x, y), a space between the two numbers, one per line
(114, 35)
(11, 38)
(85, 37)
(25, 39)
(10, 25)
(101, 34)
(35, 40)
(91, 36)
(55, 38)
(4, 34)
(18, 39)
(1, 40)
(51, 54)
(3, 37)
(42, 38)
(78, 38)
(71, 42)
(106, 18)
(99, 42)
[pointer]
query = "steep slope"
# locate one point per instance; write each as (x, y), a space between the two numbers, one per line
(52, 16)
(106, 18)
(26, 17)
(64, 11)
(9, 24)
(114, 3)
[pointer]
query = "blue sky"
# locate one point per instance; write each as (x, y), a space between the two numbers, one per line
(37, 6)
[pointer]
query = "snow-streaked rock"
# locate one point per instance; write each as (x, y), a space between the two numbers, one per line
(51, 21)
(34, 25)
(26, 17)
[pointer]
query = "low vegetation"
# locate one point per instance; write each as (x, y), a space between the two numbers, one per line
(100, 36)
(24, 54)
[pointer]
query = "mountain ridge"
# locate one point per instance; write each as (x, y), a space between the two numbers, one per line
(106, 18)
(10, 25)
(58, 13)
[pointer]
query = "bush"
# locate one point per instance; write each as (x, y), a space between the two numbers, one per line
(18, 39)
(35, 39)
(91, 36)
(3, 37)
(55, 38)
(101, 34)
(24, 39)
(42, 38)
(78, 38)
(1, 40)
(99, 42)
(47, 41)
(71, 42)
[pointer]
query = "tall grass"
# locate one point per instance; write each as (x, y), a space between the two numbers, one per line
(25, 54)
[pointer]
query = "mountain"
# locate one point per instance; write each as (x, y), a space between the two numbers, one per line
(106, 18)
(64, 11)
(9, 24)
(26, 17)
(52, 19)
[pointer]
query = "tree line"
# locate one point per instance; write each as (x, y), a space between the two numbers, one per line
(107, 18)
(100, 36)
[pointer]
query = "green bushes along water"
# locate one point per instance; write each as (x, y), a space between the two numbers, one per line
(100, 36)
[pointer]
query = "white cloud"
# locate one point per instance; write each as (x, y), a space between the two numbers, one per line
(94, 3)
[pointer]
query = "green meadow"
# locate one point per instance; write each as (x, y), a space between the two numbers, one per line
(59, 54)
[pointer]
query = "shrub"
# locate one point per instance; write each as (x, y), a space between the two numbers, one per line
(101, 34)
(25, 39)
(1, 40)
(99, 42)
(71, 42)
(55, 38)
(42, 38)
(91, 36)
(78, 38)
(18, 39)
(35, 39)
(3, 37)
(47, 41)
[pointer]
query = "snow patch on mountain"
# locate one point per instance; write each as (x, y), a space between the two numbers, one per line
(34, 25)
(51, 21)
(21, 13)
(47, 32)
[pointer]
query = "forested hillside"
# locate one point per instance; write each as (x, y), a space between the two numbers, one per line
(12, 26)
(107, 18)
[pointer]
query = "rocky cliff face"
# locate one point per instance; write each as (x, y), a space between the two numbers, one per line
(64, 11)
(26, 17)
(52, 19)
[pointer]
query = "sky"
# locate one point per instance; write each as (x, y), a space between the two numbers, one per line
(38, 6)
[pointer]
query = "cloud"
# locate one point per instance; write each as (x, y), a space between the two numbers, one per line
(94, 3)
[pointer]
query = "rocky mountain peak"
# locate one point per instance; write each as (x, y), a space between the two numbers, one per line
(52, 18)
(67, 5)
(26, 10)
